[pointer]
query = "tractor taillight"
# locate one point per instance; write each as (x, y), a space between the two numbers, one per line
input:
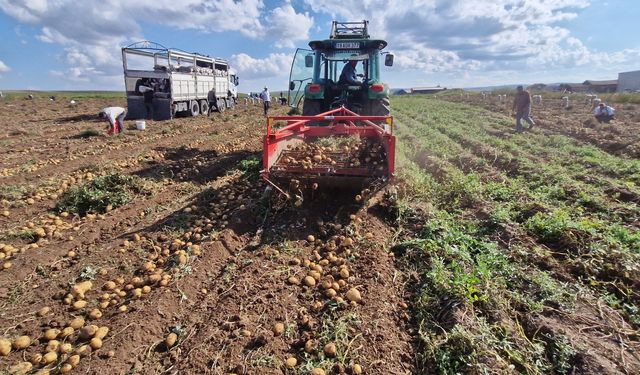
(377, 87)
(315, 88)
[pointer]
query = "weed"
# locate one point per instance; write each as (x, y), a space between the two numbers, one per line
(111, 190)
(250, 167)
(88, 133)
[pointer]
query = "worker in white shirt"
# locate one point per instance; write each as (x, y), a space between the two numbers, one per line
(115, 116)
(266, 98)
(604, 113)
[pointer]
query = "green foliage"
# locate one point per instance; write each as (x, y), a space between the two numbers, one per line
(88, 133)
(250, 167)
(94, 197)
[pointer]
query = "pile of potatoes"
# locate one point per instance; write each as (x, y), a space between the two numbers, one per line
(353, 152)
(59, 350)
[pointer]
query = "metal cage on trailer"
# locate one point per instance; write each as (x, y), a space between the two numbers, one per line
(167, 81)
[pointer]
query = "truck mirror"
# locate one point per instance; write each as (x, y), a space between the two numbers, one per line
(292, 86)
(308, 61)
(237, 81)
(388, 59)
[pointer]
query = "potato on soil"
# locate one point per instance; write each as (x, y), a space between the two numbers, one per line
(49, 357)
(80, 289)
(291, 362)
(66, 368)
(95, 343)
(171, 340)
(102, 332)
(77, 323)
(278, 329)
(356, 369)
(353, 295)
(21, 342)
(74, 360)
(330, 350)
(88, 332)
(44, 311)
(5, 347)
(21, 368)
(317, 371)
(309, 281)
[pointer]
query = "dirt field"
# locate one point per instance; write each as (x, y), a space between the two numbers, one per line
(501, 253)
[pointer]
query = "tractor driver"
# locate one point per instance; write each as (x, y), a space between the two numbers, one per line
(348, 75)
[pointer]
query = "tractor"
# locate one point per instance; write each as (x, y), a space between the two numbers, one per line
(316, 76)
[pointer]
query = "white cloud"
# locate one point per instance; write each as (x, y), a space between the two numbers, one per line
(287, 26)
(435, 36)
(250, 68)
(3, 67)
(92, 32)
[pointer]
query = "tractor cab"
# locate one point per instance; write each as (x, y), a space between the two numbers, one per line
(317, 76)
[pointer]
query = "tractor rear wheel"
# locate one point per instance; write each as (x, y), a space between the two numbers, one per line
(310, 107)
(377, 107)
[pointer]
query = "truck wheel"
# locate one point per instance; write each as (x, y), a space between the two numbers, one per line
(194, 108)
(310, 107)
(221, 105)
(204, 107)
(378, 107)
(231, 102)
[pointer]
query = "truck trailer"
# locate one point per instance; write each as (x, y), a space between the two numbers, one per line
(162, 83)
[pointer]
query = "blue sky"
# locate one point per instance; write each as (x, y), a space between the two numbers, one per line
(66, 45)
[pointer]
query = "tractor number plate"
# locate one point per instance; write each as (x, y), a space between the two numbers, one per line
(347, 45)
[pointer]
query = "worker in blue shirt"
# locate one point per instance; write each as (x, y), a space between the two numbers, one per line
(604, 113)
(348, 75)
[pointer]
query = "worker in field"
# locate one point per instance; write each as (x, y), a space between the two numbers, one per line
(604, 113)
(349, 75)
(266, 99)
(522, 108)
(115, 117)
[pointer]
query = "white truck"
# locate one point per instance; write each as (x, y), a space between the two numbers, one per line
(162, 83)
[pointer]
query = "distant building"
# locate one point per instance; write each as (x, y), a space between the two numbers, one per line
(427, 90)
(629, 81)
(601, 86)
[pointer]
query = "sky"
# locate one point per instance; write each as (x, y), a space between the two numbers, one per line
(75, 45)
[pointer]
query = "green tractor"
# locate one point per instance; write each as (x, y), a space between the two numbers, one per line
(342, 71)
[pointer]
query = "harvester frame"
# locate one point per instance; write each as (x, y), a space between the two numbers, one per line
(338, 122)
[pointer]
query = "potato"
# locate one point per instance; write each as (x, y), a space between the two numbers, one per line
(95, 314)
(353, 295)
(278, 329)
(76, 323)
(66, 368)
(79, 305)
(43, 372)
(95, 343)
(52, 346)
(356, 369)
(21, 368)
(49, 357)
(80, 289)
(344, 273)
(310, 346)
(101, 332)
(311, 238)
(309, 281)
(44, 311)
(21, 342)
(5, 347)
(293, 280)
(171, 339)
(83, 350)
(317, 371)
(291, 362)
(66, 332)
(330, 350)
(109, 285)
(65, 348)
(74, 360)
(36, 358)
